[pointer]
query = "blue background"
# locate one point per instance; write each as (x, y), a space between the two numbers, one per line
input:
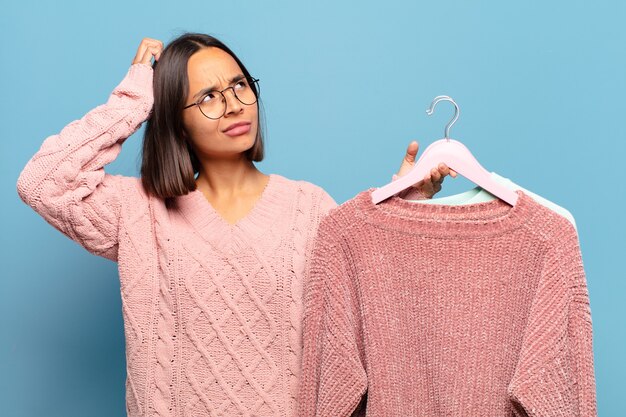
(541, 87)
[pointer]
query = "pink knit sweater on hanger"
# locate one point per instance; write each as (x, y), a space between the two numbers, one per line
(446, 311)
(212, 312)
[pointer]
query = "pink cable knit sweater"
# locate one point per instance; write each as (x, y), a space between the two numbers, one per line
(212, 312)
(430, 310)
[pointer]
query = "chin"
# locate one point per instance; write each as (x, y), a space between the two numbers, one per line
(247, 143)
(246, 140)
(237, 146)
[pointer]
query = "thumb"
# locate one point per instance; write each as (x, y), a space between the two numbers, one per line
(409, 158)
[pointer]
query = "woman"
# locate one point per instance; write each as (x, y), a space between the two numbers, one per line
(211, 251)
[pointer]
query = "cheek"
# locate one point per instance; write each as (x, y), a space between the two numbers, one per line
(255, 117)
(198, 127)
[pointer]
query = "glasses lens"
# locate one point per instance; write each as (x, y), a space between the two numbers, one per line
(213, 105)
(244, 92)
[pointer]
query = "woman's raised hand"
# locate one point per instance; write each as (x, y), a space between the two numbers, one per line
(148, 49)
(431, 184)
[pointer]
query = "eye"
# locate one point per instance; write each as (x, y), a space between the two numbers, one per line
(211, 95)
(241, 84)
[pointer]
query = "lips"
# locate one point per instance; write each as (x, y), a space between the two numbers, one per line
(236, 129)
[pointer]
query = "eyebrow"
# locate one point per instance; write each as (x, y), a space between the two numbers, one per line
(206, 90)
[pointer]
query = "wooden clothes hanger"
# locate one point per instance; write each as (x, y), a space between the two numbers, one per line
(452, 153)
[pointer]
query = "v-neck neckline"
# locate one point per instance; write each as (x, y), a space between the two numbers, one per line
(227, 237)
(243, 218)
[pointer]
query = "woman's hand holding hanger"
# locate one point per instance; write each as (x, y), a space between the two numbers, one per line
(431, 184)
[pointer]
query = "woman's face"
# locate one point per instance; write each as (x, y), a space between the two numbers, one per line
(235, 132)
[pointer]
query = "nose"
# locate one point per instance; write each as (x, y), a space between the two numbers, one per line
(232, 103)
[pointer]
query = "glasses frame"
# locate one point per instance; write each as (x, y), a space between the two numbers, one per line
(251, 81)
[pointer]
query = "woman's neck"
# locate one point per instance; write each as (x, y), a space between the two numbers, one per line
(228, 177)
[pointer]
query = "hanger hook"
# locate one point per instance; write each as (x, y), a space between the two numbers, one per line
(431, 110)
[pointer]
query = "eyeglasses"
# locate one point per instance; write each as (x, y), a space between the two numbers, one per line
(213, 103)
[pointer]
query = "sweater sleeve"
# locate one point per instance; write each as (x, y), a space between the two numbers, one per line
(65, 181)
(555, 374)
(333, 377)
(327, 203)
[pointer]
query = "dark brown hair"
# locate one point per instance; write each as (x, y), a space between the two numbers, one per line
(169, 164)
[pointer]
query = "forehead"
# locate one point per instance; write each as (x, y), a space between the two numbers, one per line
(211, 67)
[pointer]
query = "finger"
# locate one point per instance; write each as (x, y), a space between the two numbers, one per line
(453, 173)
(147, 56)
(140, 53)
(147, 45)
(427, 186)
(152, 51)
(443, 169)
(151, 42)
(157, 49)
(435, 175)
(411, 152)
(409, 159)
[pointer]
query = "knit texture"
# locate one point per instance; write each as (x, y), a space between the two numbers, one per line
(212, 311)
(434, 310)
